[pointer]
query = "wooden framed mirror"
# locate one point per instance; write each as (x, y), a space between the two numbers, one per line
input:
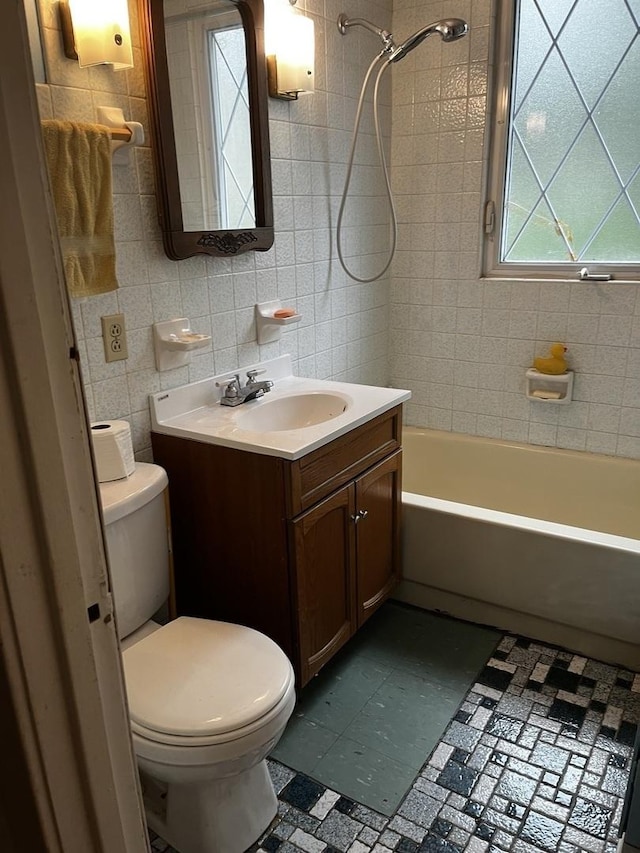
(207, 82)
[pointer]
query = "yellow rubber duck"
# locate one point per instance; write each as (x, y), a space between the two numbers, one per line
(555, 363)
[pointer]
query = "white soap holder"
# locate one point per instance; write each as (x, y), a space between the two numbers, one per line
(268, 327)
(549, 388)
(173, 342)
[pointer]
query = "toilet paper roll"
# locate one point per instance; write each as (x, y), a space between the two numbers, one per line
(113, 450)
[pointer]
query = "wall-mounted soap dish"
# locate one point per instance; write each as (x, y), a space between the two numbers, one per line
(173, 342)
(548, 387)
(269, 326)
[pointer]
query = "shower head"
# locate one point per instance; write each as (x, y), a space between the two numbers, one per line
(449, 29)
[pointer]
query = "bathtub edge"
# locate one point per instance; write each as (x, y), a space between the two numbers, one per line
(521, 522)
(583, 642)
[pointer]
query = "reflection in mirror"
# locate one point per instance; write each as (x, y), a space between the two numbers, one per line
(206, 53)
(208, 97)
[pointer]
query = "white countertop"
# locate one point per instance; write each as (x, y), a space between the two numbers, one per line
(194, 411)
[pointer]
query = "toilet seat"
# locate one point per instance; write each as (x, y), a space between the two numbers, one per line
(197, 682)
(198, 750)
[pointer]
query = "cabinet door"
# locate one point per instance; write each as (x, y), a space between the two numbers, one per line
(377, 534)
(323, 546)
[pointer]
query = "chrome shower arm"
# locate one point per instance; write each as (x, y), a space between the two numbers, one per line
(344, 23)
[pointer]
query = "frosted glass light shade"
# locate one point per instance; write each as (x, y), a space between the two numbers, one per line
(101, 32)
(295, 56)
(290, 49)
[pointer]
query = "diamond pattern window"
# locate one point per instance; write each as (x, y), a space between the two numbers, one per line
(232, 125)
(565, 184)
(206, 54)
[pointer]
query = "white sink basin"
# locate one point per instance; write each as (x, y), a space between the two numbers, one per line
(296, 417)
(293, 412)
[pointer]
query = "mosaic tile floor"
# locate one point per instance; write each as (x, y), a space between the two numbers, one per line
(536, 759)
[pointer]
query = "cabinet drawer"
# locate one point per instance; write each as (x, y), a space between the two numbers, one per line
(319, 473)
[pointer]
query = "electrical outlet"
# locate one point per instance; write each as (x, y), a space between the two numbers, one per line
(114, 336)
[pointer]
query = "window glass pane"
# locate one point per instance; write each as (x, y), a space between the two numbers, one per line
(230, 43)
(571, 192)
(554, 12)
(619, 237)
(233, 133)
(634, 6)
(582, 203)
(594, 41)
(634, 189)
(542, 239)
(621, 136)
(523, 194)
(550, 117)
(530, 59)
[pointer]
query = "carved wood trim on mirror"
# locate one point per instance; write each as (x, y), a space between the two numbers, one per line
(225, 222)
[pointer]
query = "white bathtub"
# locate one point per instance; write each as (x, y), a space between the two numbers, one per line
(539, 541)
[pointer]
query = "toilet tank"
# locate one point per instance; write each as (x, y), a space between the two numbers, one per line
(137, 544)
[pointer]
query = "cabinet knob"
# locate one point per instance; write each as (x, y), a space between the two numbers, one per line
(362, 513)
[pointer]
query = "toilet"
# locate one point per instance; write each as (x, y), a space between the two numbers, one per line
(207, 700)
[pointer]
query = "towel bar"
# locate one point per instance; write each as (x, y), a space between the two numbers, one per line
(124, 134)
(121, 134)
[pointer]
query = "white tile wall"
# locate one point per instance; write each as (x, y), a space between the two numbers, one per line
(460, 343)
(344, 333)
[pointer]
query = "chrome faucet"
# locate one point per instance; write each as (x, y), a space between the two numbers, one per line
(257, 388)
(235, 393)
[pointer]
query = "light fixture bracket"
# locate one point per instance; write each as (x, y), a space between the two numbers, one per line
(66, 25)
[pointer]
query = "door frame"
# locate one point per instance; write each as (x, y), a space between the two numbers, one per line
(69, 781)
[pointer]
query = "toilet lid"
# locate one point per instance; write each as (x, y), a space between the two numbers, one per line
(197, 677)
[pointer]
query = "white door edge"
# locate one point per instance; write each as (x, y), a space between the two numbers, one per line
(61, 673)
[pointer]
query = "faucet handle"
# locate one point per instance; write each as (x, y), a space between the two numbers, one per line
(231, 386)
(251, 374)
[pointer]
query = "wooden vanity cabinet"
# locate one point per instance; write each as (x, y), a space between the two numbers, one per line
(304, 551)
(323, 557)
(345, 559)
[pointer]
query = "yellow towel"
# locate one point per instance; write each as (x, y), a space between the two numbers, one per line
(79, 162)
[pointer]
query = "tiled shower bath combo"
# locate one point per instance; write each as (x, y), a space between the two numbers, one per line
(458, 342)
(536, 758)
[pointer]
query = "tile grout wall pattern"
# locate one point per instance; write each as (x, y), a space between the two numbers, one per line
(344, 331)
(460, 343)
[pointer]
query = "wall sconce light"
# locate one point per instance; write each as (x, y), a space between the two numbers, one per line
(96, 32)
(290, 49)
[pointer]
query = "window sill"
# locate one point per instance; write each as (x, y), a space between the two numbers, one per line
(556, 279)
